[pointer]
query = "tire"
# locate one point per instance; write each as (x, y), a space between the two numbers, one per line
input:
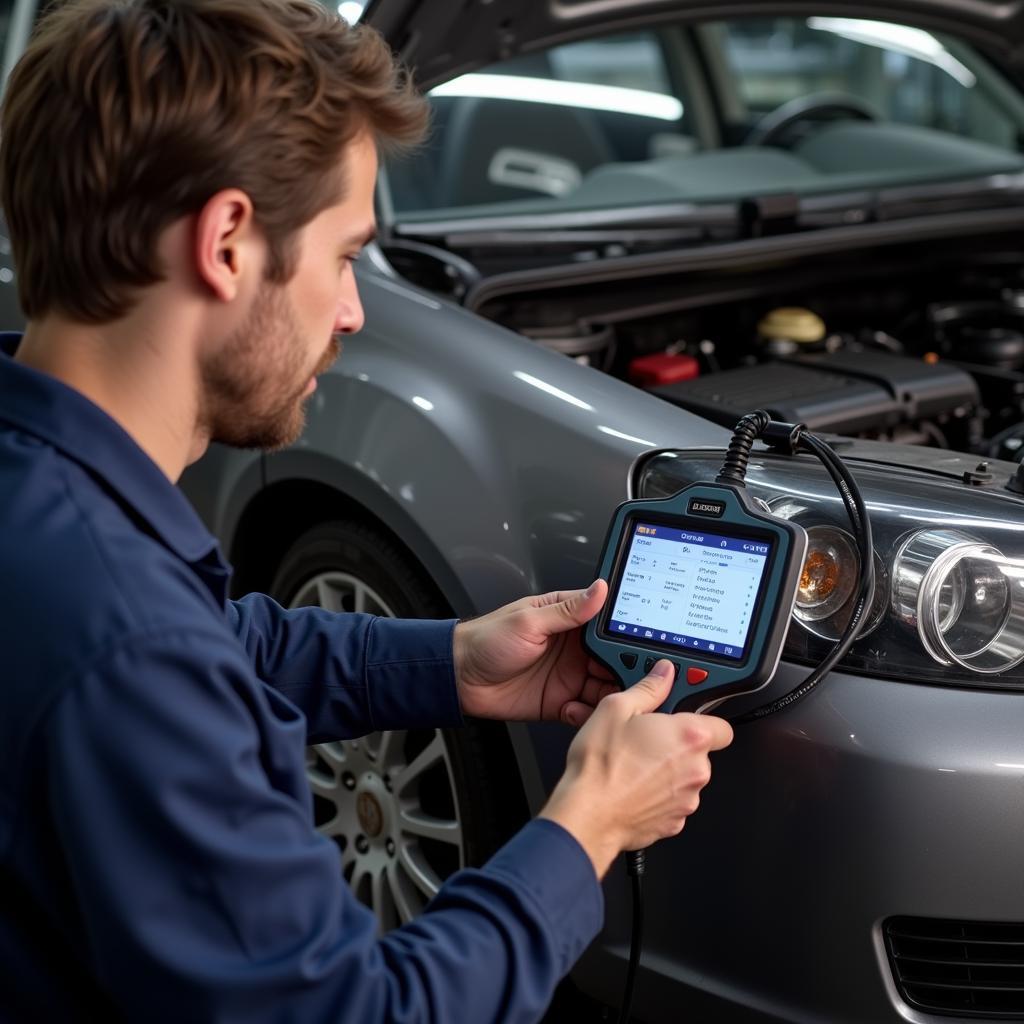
(406, 808)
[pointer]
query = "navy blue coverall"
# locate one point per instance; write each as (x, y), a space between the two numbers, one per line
(158, 860)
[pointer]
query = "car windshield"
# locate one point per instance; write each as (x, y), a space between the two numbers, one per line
(688, 116)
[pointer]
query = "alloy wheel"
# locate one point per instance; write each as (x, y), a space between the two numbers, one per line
(388, 800)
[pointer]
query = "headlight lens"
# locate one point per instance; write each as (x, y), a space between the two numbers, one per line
(829, 574)
(964, 598)
(826, 594)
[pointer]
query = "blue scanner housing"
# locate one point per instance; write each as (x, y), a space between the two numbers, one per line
(706, 578)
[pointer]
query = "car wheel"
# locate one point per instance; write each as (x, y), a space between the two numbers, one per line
(406, 808)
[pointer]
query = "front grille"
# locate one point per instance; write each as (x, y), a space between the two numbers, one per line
(958, 968)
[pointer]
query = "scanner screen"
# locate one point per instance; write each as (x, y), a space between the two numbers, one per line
(688, 589)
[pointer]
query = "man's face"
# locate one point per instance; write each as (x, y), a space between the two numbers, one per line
(255, 385)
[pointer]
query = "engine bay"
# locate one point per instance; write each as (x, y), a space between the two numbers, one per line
(915, 344)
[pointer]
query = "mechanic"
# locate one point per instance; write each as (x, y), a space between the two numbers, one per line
(187, 184)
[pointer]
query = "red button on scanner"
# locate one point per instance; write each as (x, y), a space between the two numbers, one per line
(696, 675)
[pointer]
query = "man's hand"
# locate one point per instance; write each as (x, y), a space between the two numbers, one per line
(633, 777)
(526, 662)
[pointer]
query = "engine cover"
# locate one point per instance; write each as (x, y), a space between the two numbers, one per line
(849, 392)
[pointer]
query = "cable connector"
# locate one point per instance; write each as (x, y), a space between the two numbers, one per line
(636, 863)
(783, 436)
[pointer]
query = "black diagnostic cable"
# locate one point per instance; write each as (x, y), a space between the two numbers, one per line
(793, 438)
(801, 440)
(636, 863)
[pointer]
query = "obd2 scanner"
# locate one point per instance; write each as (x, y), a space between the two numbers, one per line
(707, 578)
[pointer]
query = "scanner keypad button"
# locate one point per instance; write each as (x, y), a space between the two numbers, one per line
(629, 660)
(650, 662)
(695, 675)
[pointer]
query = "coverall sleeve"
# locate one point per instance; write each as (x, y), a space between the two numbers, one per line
(176, 789)
(351, 674)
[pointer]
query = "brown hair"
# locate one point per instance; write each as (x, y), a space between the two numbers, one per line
(126, 115)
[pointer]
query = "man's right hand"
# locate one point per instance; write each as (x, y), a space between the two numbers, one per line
(633, 777)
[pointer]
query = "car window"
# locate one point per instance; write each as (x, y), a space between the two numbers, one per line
(535, 125)
(16, 20)
(628, 62)
(710, 112)
(904, 74)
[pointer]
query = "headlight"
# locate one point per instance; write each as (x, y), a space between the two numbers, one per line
(829, 575)
(948, 607)
(964, 598)
(825, 597)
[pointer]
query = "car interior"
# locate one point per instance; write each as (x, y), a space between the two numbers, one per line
(797, 107)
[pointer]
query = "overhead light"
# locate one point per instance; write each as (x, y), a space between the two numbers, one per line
(563, 94)
(911, 42)
(351, 10)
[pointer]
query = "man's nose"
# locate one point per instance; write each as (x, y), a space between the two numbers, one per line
(349, 316)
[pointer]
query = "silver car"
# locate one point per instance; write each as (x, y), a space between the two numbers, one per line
(636, 221)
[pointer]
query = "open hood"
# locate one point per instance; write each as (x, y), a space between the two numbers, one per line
(440, 39)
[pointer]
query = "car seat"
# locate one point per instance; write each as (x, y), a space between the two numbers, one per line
(498, 149)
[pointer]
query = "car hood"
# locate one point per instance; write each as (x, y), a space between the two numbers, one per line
(440, 38)
(973, 471)
(955, 469)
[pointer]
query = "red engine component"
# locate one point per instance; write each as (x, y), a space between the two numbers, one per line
(662, 368)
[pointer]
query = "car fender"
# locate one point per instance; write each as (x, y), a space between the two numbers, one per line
(508, 458)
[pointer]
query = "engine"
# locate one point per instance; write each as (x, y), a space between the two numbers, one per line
(886, 362)
(837, 384)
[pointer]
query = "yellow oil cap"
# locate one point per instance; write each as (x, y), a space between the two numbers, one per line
(792, 323)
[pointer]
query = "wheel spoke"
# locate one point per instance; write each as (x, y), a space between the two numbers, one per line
(348, 856)
(426, 759)
(417, 869)
(323, 784)
(403, 904)
(331, 589)
(336, 826)
(325, 596)
(389, 915)
(362, 885)
(372, 743)
(377, 896)
(389, 749)
(429, 827)
(334, 754)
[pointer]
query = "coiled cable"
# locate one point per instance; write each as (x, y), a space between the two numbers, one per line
(748, 430)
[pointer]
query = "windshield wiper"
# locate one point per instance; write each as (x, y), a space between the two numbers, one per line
(964, 195)
(604, 232)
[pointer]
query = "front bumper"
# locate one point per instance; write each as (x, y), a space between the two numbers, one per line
(868, 799)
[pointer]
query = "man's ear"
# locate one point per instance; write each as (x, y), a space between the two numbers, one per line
(226, 243)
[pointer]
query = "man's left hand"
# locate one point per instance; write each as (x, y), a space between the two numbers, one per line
(526, 662)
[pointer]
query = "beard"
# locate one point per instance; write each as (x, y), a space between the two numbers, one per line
(254, 385)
